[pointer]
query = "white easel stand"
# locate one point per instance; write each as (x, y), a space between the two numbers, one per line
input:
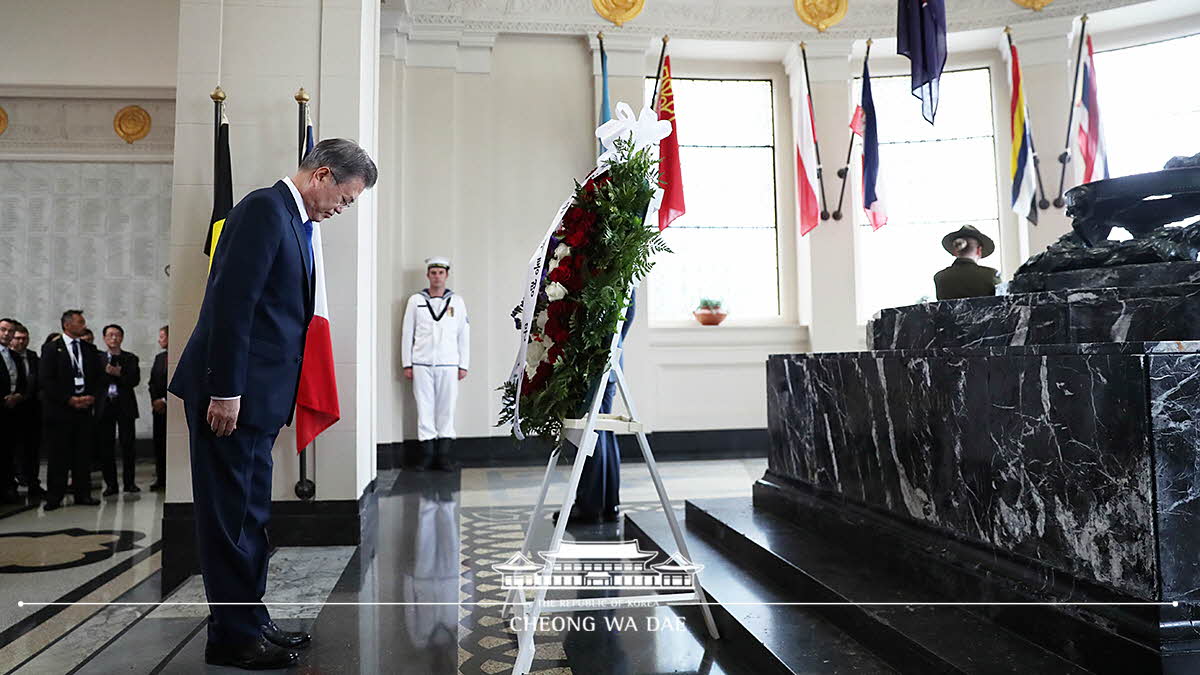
(582, 433)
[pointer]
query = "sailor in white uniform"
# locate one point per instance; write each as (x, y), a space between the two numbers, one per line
(435, 351)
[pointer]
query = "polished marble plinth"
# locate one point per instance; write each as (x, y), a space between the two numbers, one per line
(1066, 472)
(1079, 316)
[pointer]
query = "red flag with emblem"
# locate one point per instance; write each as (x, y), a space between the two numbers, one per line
(669, 173)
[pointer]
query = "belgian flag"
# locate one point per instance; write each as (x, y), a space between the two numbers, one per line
(222, 188)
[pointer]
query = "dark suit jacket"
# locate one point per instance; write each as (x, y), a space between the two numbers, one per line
(131, 375)
(249, 338)
(56, 377)
(965, 279)
(31, 382)
(158, 377)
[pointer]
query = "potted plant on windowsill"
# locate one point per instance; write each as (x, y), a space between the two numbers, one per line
(710, 312)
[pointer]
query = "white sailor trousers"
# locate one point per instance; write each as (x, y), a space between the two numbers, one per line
(436, 390)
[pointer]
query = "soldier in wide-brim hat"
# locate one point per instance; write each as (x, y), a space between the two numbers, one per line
(965, 277)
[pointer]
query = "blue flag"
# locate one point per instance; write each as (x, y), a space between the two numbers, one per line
(921, 36)
(864, 125)
(605, 109)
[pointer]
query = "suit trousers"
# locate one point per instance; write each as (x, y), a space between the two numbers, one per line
(71, 437)
(27, 427)
(8, 451)
(160, 448)
(599, 488)
(111, 425)
(231, 491)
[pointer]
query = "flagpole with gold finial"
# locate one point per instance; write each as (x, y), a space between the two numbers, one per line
(844, 172)
(658, 72)
(816, 145)
(218, 99)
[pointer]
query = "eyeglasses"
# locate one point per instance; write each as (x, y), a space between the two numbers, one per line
(344, 202)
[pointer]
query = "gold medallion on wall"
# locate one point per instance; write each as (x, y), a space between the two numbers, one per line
(3, 121)
(821, 14)
(132, 123)
(1035, 5)
(618, 11)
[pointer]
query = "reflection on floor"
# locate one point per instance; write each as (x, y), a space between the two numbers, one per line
(439, 535)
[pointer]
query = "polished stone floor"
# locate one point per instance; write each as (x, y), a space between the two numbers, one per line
(423, 599)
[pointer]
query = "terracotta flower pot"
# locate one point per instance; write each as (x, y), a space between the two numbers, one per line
(710, 317)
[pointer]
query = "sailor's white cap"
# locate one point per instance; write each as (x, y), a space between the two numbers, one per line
(437, 261)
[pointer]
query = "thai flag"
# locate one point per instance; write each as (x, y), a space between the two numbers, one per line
(863, 124)
(317, 406)
(1091, 134)
(808, 207)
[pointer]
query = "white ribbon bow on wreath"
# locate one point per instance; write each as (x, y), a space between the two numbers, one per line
(644, 130)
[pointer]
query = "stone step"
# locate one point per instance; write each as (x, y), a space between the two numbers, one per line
(810, 568)
(768, 639)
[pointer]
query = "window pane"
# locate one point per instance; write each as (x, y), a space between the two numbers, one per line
(737, 266)
(722, 112)
(946, 180)
(728, 187)
(1149, 112)
(898, 263)
(933, 179)
(964, 107)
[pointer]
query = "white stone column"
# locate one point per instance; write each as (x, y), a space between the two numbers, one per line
(268, 50)
(825, 256)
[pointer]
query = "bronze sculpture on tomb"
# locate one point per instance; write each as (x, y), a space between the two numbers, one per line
(1144, 205)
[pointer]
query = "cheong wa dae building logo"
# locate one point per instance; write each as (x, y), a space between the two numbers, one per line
(596, 564)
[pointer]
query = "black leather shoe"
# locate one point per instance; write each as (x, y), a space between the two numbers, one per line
(578, 517)
(425, 460)
(86, 501)
(132, 488)
(288, 639)
(52, 504)
(258, 655)
(110, 491)
(442, 460)
(611, 515)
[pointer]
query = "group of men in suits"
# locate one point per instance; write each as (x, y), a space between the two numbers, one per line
(80, 401)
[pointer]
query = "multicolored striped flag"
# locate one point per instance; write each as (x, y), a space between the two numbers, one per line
(1024, 186)
(317, 406)
(864, 125)
(1091, 134)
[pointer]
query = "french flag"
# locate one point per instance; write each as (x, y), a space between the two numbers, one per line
(808, 207)
(864, 125)
(317, 406)
(1090, 135)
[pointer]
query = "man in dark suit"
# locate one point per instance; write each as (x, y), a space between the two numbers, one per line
(9, 379)
(158, 406)
(238, 376)
(117, 410)
(966, 278)
(26, 412)
(70, 379)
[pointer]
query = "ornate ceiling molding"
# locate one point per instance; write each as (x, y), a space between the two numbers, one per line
(714, 20)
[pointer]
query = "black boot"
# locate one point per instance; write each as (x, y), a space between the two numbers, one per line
(443, 461)
(425, 458)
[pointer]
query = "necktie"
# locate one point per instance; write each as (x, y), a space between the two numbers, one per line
(77, 364)
(22, 377)
(308, 247)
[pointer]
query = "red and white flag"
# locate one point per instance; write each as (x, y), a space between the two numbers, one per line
(317, 401)
(808, 205)
(669, 171)
(1094, 164)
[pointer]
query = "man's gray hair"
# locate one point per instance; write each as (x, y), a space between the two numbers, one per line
(344, 158)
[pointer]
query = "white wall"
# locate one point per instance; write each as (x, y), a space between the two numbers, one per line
(486, 158)
(97, 43)
(262, 68)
